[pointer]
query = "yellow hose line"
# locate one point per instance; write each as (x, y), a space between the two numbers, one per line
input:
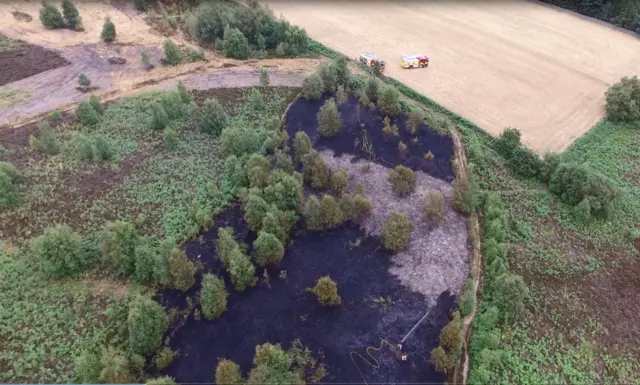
(376, 363)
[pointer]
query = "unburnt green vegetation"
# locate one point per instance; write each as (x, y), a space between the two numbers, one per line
(92, 226)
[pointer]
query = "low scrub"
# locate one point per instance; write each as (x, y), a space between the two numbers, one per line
(623, 100)
(326, 290)
(433, 206)
(87, 114)
(60, 251)
(146, 323)
(119, 242)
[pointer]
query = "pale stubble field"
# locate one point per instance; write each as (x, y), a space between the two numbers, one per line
(499, 64)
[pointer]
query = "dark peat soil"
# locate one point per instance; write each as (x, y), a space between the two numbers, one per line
(283, 311)
(28, 60)
(302, 116)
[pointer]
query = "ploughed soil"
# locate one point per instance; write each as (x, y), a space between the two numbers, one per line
(302, 116)
(281, 311)
(27, 60)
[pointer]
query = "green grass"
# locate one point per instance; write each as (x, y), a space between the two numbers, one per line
(9, 98)
(8, 44)
(44, 325)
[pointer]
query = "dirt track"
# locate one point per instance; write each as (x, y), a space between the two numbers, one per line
(499, 64)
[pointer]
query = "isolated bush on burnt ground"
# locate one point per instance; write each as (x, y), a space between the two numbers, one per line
(623, 100)
(361, 277)
(625, 14)
(326, 290)
(256, 27)
(385, 150)
(403, 181)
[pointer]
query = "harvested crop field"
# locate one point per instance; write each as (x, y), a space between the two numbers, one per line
(20, 60)
(499, 64)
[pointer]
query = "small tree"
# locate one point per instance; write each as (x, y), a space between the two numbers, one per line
(255, 209)
(228, 373)
(415, 121)
(508, 293)
(326, 290)
(185, 96)
(242, 271)
(339, 182)
(94, 100)
(48, 141)
(315, 170)
(88, 368)
(272, 365)
(84, 81)
(264, 77)
(403, 181)
(389, 101)
(441, 360)
(342, 70)
(214, 118)
(147, 323)
(71, 14)
(60, 251)
(313, 214)
(433, 206)
(11, 171)
(256, 100)
(450, 338)
(329, 76)
(86, 114)
(372, 89)
(396, 231)
(115, 366)
(164, 358)
(301, 146)
(172, 54)
(181, 270)
(312, 87)
(235, 44)
(213, 296)
(159, 117)
(273, 224)
(331, 214)
(9, 192)
(108, 31)
(119, 241)
(269, 249)
(508, 142)
(329, 119)
(623, 100)
(50, 17)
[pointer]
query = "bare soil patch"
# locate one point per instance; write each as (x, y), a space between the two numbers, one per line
(27, 60)
(520, 64)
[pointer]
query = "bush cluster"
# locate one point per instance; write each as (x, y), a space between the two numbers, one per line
(237, 263)
(354, 207)
(90, 149)
(327, 214)
(315, 170)
(444, 356)
(396, 231)
(327, 78)
(590, 192)
(50, 17)
(213, 296)
(329, 119)
(10, 177)
(147, 322)
(326, 290)
(47, 142)
(272, 365)
(521, 159)
(403, 181)
(228, 373)
(244, 31)
(623, 99)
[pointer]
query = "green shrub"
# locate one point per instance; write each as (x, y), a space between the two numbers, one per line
(140, 5)
(164, 358)
(467, 302)
(264, 77)
(255, 209)
(171, 140)
(181, 270)
(329, 119)
(213, 296)
(463, 194)
(525, 162)
(50, 17)
(9, 192)
(312, 87)
(403, 181)
(71, 14)
(118, 245)
(329, 76)
(550, 163)
(115, 367)
(148, 263)
(341, 66)
(507, 142)
(235, 44)
(301, 146)
(442, 361)
(228, 373)
(256, 100)
(273, 224)
(60, 251)
(146, 323)
(11, 171)
(241, 270)
(283, 162)
(210, 22)
(315, 170)
(144, 58)
(269, 249)
(371, 90)
(326, 290)
(339, 182)
(389, 101)
(285, 192)
(172, 54)
(95, 104)
(450, 338)
(86, 114)
(108, 33)
(88, 368)
(83, 80)
(225, 244)
(159, 117)
(623, 100)
(331, 214)
(272, 365)
(185, 96)
(415, 121)
(214, 118)
(396, 231)
(313, 214)
(508, 293)
(433, 206)
(574, 183)
(83, 148)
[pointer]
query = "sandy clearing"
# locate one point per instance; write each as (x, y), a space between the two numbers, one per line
(499, 64)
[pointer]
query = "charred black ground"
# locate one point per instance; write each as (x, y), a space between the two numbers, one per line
(283, 312)
(303, 117)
